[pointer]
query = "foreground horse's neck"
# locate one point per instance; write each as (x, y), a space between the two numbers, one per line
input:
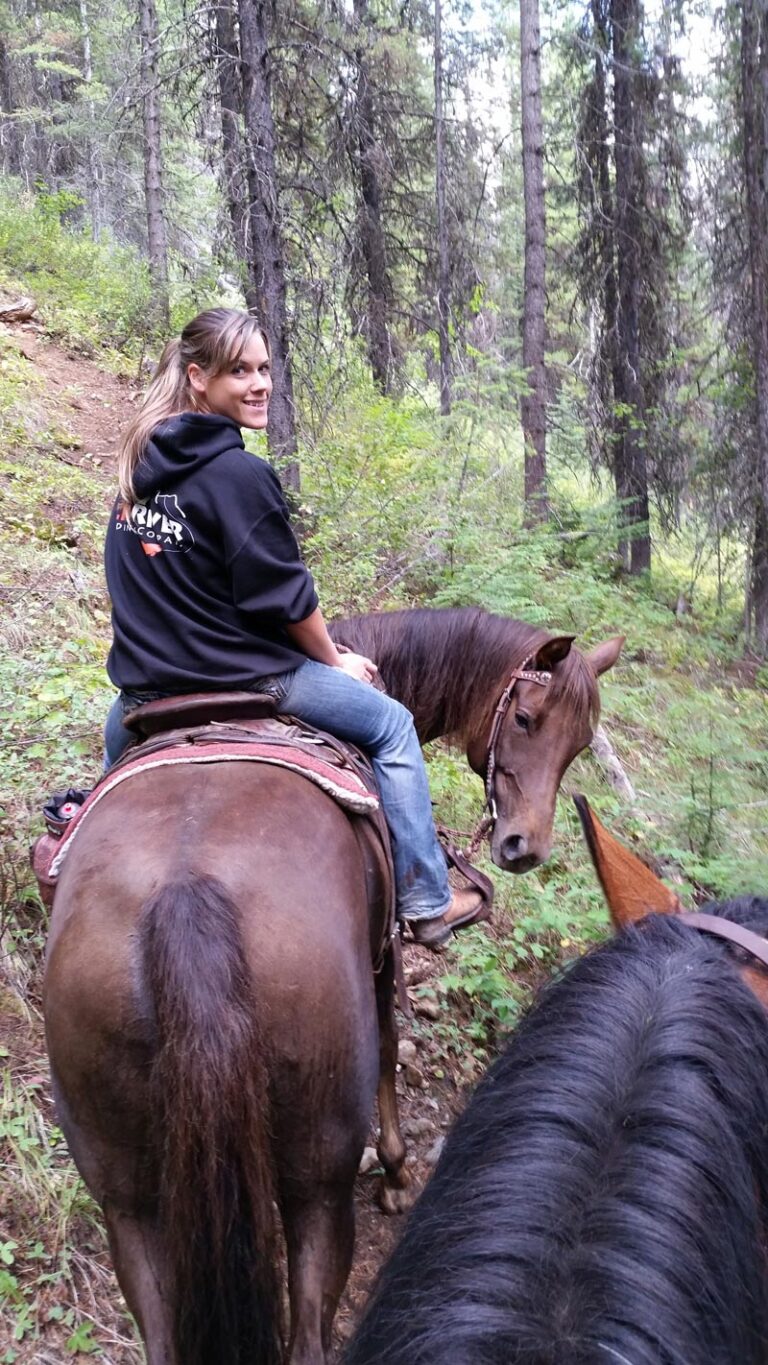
(620, 1134)
(447, 666)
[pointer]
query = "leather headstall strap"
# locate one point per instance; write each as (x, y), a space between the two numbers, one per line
(523, 674)
(735, 933)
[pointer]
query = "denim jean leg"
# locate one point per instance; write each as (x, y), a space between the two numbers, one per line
(334, 701)
(116, 737)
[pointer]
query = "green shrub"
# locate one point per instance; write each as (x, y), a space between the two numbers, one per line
(95, 294)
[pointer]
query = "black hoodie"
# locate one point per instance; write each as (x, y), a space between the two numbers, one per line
(204, 571)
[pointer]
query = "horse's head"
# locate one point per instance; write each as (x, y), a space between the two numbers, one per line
(544, 719)
(633, 892)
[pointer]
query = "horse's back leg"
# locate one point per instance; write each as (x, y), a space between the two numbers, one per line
(135, 1242)
(137, 1255)
(395, 1194)
(323, 1087)
(320, 1233)
(317, 1164)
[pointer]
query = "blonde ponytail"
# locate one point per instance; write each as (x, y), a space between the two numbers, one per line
(213, 340)
(167, 395)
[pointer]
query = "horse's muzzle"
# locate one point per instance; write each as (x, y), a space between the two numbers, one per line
(513, 854)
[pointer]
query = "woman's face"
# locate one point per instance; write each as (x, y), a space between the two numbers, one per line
(240, 392)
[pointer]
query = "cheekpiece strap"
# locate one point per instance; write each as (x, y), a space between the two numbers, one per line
(523, 674)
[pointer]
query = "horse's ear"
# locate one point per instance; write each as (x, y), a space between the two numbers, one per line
(604, 656)
(553, 652)
(630, 888)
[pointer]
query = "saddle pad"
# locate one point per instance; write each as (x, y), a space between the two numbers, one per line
(343, 784)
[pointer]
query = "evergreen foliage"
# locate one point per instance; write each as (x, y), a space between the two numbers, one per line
(400, 504)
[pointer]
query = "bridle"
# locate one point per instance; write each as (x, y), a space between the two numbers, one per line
(751, 942)
(522, 674)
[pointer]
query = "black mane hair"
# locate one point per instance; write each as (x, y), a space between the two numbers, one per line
(602, 1198)
(449, 665)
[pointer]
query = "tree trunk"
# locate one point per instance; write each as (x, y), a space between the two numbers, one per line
(630, 451)
(267, 292)
(227, 57)
(758, 583)
(157, 245)
(91, 147)
(443, 260)
(534, 403)
(381, 350)
(606, 229)
(10, 140)
(754, 97)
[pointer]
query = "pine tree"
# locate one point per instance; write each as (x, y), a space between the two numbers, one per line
(753, 96)
(266, 292)
(533, 402)
(157, 241)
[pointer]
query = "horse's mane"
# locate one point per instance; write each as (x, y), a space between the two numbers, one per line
(450, 665)
(601, 1198)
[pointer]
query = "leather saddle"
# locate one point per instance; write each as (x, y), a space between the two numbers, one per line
(197, 708)
(203, 718)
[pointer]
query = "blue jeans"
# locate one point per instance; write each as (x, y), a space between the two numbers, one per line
(332, 700)
(116, 737)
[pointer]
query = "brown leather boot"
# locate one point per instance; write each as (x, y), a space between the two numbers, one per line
(468, 906)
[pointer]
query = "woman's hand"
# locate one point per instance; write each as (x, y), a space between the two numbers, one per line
(356, 664)
(312, 638)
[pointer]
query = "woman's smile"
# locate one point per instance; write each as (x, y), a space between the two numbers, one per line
(240, 392)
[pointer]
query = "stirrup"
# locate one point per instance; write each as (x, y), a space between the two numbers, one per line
(60, 808)
(467, 870)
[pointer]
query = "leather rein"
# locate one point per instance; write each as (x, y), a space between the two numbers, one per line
(751, 942)
(522, 674)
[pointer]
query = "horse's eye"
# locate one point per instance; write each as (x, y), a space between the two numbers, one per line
(522, 720)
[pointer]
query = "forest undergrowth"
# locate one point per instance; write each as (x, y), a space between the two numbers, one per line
(399, 510)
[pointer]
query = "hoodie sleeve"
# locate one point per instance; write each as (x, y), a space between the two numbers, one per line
(268, 575)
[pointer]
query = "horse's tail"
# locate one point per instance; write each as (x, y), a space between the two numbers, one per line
(209, 1084)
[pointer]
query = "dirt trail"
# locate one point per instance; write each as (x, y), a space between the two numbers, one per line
(431, 1091)
(77, 397)
(83, 409)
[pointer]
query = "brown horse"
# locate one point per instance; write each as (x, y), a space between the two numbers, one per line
(213, 1023)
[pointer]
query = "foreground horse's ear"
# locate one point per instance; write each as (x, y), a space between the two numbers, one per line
(553, 652)
(604, 656)
(630, 888)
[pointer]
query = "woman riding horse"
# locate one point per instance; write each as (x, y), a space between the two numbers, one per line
(209, 592)
(215, 1027)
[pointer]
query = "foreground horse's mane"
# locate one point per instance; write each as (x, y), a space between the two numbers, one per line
(601, 1199)
(449, 665)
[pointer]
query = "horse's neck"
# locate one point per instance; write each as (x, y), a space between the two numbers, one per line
(423, 661)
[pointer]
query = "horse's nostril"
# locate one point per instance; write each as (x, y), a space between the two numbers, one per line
(513, 846)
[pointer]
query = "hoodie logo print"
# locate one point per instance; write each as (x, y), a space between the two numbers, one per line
(159, 523)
